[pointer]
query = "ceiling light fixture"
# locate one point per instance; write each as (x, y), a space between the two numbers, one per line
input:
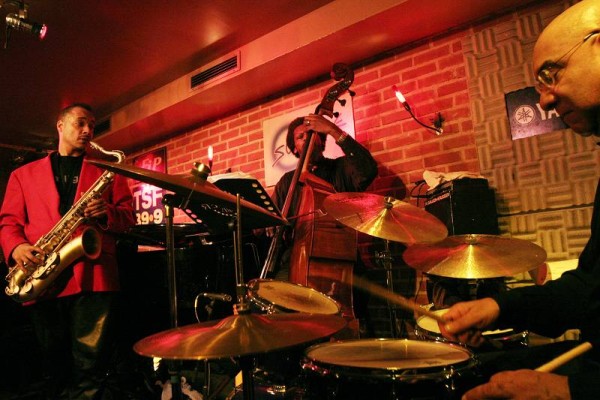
(20, 22)
(39, 30)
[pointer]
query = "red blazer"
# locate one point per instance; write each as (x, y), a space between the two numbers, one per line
(30, 210)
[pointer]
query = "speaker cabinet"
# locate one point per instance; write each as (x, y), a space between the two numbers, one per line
(465, 206)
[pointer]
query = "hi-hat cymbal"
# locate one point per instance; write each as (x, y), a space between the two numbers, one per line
(239, 335)
(385, 217)
(475, 257)
(204, 198)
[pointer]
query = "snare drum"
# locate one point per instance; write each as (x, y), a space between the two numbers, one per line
(427, 328)
(388, 369)
(273, 296)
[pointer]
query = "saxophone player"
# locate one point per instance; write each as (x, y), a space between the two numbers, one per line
(74, 319)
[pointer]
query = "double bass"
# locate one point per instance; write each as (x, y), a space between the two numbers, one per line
(324, 251)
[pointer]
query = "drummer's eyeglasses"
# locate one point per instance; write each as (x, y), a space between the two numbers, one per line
(546, 77)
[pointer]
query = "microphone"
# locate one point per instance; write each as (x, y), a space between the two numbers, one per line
(217, 296)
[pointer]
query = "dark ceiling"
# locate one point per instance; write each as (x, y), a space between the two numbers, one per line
(112, 53)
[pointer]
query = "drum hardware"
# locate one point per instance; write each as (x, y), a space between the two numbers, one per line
(242, 335)
(388, 219)
(210, 206)
(209, 307)
(475, 257)
(385, 259)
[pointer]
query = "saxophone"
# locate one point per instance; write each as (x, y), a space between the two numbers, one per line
(28, 282)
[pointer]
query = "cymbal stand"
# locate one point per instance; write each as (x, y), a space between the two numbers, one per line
(173, 366)
(171, 272)
(242, 307)
(385, 258)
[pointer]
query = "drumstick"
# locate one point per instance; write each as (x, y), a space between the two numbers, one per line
(395, 298)
(565, 357)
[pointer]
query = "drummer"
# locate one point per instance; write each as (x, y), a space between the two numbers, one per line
(566, 62)
(352, 172)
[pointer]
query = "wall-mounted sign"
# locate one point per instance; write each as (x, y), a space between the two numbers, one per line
(147, 199)
(278, 159)
(526, 116)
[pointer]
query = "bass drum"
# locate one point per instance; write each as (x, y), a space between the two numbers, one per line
(394, 369)
(427, 328)
(271, 296)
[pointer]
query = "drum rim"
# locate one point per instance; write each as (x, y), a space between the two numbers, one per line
(269, 305)
(436, 373)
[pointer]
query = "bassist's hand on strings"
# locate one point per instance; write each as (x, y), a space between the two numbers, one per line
(320, 124)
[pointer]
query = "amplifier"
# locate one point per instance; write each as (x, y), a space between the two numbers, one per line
(464, 206)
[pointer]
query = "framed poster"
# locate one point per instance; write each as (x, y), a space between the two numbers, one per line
(147, 199)
(526, 116)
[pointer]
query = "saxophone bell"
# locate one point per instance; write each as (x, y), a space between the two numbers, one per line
(23, 287)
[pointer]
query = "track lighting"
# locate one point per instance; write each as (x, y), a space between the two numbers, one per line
(19, 21)
(21, 24)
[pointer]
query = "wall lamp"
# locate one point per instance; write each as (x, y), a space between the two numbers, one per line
(19, 21)
(438, 122)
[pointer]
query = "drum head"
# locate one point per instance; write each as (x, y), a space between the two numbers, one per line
(290, 297)
(390, 354)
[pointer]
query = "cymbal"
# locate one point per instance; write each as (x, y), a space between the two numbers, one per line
(385, 217)
(210, 203)
(475, 257)
(239, 335)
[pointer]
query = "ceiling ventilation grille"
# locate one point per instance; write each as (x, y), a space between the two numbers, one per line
(230, 65)
(102, 127)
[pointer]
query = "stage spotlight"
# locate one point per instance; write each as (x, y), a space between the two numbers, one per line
(22, 24)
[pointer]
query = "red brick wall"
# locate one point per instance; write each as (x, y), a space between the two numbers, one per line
(432, 78)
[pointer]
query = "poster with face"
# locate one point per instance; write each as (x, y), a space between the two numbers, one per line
(279, 159)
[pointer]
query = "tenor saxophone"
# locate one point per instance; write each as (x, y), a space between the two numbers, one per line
(61, 248)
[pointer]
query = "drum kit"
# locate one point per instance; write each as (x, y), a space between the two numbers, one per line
(271, 316)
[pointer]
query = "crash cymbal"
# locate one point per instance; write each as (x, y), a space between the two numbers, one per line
(214, 206)
(239, 335)
(475, 257)
(385, 217)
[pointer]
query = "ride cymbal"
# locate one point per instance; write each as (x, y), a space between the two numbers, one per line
(214, 206)
(475, 257)
(385, 217)
(239, 335)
